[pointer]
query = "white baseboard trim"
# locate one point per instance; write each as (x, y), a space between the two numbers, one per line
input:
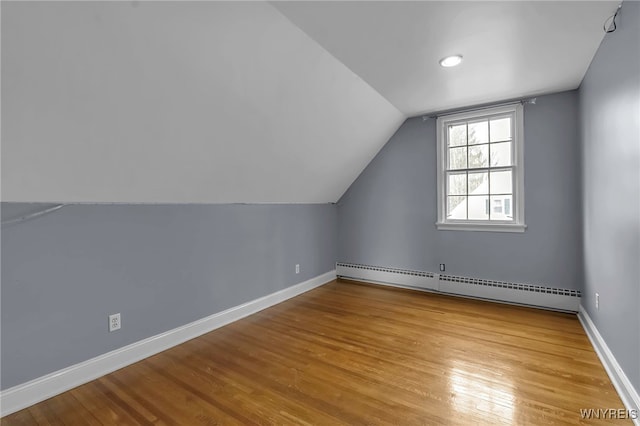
(34, 391)
(625, 389)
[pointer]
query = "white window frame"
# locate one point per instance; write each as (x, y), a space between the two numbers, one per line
(517, 204)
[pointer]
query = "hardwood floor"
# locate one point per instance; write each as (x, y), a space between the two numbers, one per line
(349, 353)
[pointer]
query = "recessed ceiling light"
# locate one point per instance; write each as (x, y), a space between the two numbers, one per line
(451, 61)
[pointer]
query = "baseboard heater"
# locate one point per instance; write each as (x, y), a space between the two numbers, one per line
(500, 291)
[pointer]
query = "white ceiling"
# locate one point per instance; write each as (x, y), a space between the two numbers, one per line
(219, 102)
(511, 49)
(178, 103)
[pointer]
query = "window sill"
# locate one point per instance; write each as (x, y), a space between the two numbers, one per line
(487, 227)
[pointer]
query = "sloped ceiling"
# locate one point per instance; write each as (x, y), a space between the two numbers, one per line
(511, 49)
(222, 102)
(196, 102)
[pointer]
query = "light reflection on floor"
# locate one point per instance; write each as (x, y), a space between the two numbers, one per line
(476, 391)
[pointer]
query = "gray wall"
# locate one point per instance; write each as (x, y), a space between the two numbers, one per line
(610, 117)
(387, 217)
(159, 266)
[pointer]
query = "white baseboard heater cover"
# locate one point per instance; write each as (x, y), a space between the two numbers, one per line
(500, 291)
(393, 276)
(523, 294)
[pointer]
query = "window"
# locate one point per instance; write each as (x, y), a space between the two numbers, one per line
(480, 170)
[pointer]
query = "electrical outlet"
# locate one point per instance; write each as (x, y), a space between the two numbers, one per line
(442, 267)
(114, 322)
(297, 268)
(597, 300)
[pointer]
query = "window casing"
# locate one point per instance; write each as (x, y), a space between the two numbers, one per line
(481, 170)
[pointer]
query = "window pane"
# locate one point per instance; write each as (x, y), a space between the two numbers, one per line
(477, 207)
(456, 207)
(458, 158)
(478, 183)
(457, 184)
(501, 182)
(478, 132)
(478, 156)
(500, 129)
(501, 207)
(507, 207)
(458, 135)
(501, 154)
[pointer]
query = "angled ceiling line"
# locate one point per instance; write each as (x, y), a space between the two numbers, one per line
(321, 46)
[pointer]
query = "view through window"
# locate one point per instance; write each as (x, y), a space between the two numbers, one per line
(480, 175)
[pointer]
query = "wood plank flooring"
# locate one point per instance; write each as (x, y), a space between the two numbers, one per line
(349, 353)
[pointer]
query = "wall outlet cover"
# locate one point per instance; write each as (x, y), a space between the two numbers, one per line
(114, 322)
